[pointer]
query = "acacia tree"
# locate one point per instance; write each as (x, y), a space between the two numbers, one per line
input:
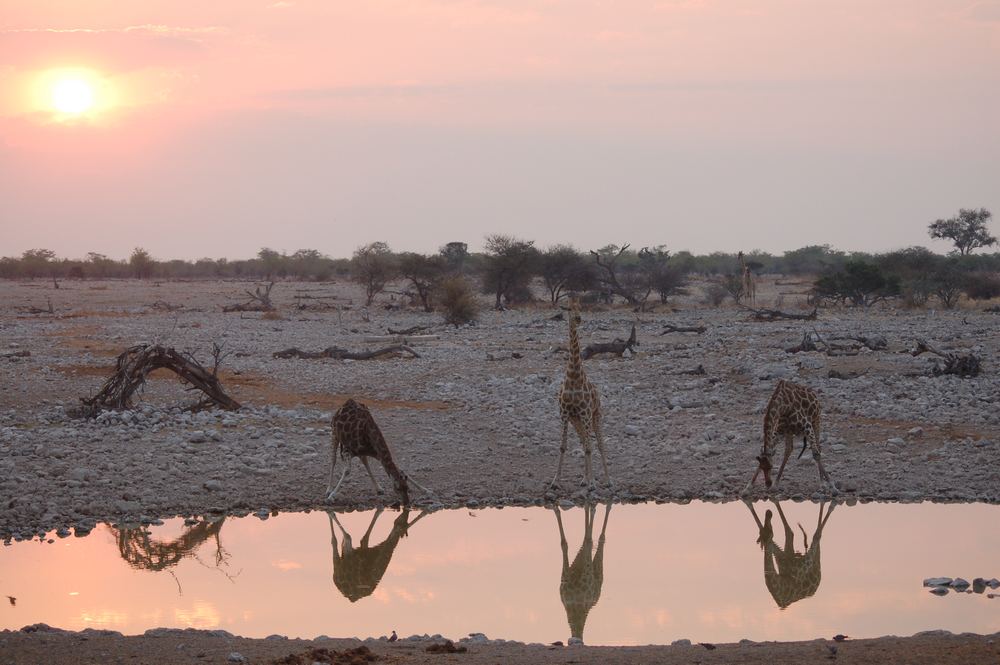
(565, 270)
(966, 230)
(510, 263)
(142, 263)
(37, 262)
(424, 273)
(858, 282)
(373, 266)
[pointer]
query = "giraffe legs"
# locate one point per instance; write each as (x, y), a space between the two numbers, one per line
(347, 471)
(789, 444)
(600, 448)
(378, 488)
(813, 437)
(562, 454)
(581, 431)
(420, 487)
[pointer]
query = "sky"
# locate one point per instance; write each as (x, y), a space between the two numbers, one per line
(215, 129)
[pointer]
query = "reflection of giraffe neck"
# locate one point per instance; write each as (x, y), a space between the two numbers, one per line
(574, 368)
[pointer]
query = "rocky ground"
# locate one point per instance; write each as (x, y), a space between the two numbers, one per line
(475, 416)
(170, 647)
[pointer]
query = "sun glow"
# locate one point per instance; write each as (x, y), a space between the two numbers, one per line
(72, 95)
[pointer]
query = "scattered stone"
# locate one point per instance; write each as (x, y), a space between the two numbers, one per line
(681, 643)
(445, 647)
(937, 581)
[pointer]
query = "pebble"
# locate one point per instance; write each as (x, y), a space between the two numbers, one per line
(236, 657)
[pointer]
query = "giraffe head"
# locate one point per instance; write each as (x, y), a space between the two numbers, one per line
(402, 488)
(763, 464)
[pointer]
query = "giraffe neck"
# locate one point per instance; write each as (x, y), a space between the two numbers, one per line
(574, 368)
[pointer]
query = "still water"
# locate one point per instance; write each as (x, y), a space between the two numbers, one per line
(631, 574)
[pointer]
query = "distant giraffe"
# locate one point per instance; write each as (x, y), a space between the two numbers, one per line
(748, 281)
(579, 405)
(790, 576)
(581, 581)
(358, 570)
(793, 410)
(356, 434)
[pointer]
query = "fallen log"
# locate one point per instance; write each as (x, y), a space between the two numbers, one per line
(134, 365)
(407, 331)
(683, 329)
(964, 365)
(617, 346)
(16, 354)
(778, 315)
(401, 339)
(338, 353)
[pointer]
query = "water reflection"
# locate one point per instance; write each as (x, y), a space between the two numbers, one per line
(358, 570)
(790, 576)
(581, 581)
(143, 552)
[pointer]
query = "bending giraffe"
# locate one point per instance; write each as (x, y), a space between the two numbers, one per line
(793, 410)
(356, 434)
(790, 576)
(748, 281)
(581, 581)
(579, 405)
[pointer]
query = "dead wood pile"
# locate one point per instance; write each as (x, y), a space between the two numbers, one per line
(617, 346)
(260, 301)
(965, 365)
(683, 329)
(778, 315)
(338, 353)
(134, 365)
(813, 341)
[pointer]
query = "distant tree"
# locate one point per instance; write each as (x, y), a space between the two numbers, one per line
(141, 263)
(509, 265)
(373, 266)
(37, 262)
(272, 262)
(617, 273)
(967, 230)
(659, 274)
(457, 301)
(565, 270)
(858, 283)
(948, 281)
(811, 260)
(423, 273)
(455, 255)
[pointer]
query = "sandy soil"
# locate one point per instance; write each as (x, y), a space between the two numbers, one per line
(177, 647)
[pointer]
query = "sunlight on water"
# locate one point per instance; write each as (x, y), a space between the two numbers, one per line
(631, 574)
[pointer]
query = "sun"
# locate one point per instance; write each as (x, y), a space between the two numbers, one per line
(72, 95)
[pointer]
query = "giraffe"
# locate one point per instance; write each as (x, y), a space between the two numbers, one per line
(792, 410)
(142, 552)
(356, 434)
(581, 581)
(748, 281)
(358, 570)
(790, 576)
(579, 405)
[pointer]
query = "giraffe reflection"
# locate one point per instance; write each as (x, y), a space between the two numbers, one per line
(358, 570)
(580, 585)
(141, 551)
(790, 576)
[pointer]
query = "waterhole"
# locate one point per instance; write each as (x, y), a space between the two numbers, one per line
(618, 575)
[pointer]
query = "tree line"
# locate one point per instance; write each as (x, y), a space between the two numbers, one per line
(510, 267)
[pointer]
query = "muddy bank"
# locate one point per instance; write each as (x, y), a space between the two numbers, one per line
(475, 416)
(170, 647)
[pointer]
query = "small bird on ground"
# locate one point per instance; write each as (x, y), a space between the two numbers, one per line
(839, 638)
(393, 637)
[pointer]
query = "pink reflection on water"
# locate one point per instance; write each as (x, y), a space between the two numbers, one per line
(665, 572)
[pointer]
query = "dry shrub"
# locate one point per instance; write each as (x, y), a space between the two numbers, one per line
(715, 294)
(272, 315)
(457, 301)
(982, 286)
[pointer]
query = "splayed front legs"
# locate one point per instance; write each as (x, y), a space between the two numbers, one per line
(584, 435)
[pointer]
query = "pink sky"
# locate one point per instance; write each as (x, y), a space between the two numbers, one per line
(699, 124)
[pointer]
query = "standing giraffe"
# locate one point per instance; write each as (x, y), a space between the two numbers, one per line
(356, 434)
(790, 576)
(358, 570)
(580, 405)
(581, 581)
(748, 281)
(793, 410)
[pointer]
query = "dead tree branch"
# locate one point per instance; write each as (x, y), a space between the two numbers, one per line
(618, 346)
(407, 331)
(260, 301)
(964, 365)
(134, 365)
(338, 353)
(683, 329)
(778, 315)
